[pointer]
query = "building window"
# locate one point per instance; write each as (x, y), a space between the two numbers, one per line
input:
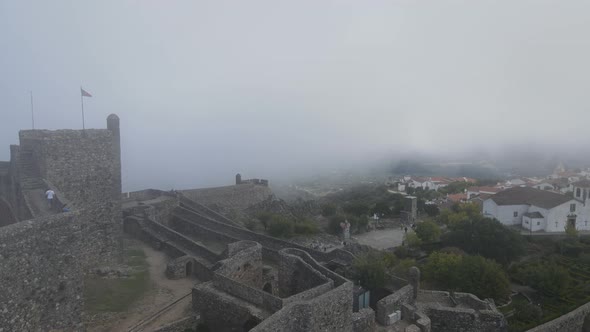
(556, 224)
(538, 223)
(515, 213)
(578, 192)
(572, 207)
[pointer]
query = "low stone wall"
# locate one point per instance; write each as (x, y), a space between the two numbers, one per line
(331, 311)
(572, 321)
(237, 197)
(181, 240)
(266, 241)
(445, 319)
(364, 320)
(247, 293)
(296, 276)
(222, 312)
(392, 303)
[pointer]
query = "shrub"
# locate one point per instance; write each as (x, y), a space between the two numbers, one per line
(528, 312)
(547, 277)
(280, 227)
(305, 227)
(412, 240)
(428, 231)
(473, 274)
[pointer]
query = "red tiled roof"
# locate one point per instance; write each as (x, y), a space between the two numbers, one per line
(485, 189)
(457, 197)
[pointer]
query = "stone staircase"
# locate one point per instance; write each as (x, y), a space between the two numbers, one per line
(30, 177)
(32, 185)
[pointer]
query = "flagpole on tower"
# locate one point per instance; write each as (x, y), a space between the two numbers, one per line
(82, 101)
(32, 111)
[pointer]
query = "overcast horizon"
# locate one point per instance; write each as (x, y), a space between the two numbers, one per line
(205, 89)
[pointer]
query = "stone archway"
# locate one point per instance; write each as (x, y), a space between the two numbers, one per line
(267, 288)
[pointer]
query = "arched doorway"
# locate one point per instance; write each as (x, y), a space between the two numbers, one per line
(267, 288)
(189, 269)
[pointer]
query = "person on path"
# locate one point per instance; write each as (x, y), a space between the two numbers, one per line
(49, 194)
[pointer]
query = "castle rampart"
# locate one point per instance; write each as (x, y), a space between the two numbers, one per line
(43, 260)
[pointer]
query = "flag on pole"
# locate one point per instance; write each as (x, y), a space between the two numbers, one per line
(84, 93)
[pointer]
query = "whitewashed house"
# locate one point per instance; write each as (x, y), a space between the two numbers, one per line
(540, 210)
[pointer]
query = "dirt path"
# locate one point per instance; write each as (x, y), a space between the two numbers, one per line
(163, 292)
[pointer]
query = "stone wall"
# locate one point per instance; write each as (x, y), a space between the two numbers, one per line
(267, 242)
(43, 261)
(296, 276)
(462, 319)
(572, 321)
(84, 165)
(225, 199)
(331, 311)
(364, 320)
(392, 303)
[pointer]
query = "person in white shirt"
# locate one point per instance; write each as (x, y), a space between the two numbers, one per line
(49, 194)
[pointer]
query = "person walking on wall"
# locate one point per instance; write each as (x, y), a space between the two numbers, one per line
(49, 194)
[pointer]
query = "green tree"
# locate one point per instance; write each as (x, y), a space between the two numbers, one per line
(442, 269)
(473, 274)
(431, 210)
(370, 270)
(547, 277)
(483, 236)
(528, 312)
(412, 240)
(428, 231)
(382, 209)
(305, 227)
(483, 277)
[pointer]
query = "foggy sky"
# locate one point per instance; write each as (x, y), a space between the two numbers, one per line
(205, 89)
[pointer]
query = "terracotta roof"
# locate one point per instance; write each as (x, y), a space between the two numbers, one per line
(486, 189)
(529, 196)
(457, 197)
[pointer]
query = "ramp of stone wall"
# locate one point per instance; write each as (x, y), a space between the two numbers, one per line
(267, 242)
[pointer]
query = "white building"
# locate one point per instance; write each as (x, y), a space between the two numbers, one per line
(540, 210)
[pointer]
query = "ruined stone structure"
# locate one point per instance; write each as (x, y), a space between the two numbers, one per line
(253, 281)
(43, 252)
(241, 296)
(230, 199)
(438, 311)
(261, 182)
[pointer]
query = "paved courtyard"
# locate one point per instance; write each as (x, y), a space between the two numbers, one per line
(382, 239)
